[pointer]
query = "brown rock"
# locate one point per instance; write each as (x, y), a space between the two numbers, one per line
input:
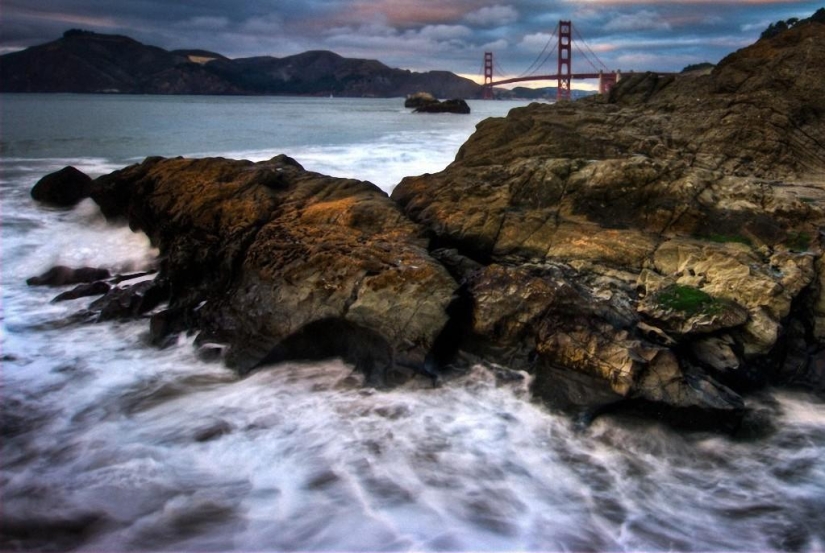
(272, 259)
(588, 214)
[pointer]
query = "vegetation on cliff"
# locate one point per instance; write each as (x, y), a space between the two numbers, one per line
(782, 26)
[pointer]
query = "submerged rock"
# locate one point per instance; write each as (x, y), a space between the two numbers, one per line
(661, 240)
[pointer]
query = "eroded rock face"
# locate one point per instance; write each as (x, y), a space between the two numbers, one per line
(664, 240)
(281, 262)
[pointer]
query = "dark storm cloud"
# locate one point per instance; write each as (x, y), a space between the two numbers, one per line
(419, 34)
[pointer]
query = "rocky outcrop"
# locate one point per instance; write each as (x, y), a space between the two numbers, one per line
(659, 249)
(663, 243)
(281, 263)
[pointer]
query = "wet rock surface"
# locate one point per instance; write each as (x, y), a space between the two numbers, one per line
(281, 263)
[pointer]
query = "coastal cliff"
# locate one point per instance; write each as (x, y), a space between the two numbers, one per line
(663, 243)
(659, 249)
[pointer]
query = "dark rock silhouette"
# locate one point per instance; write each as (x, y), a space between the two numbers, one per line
(63, 188)
(61, 275)
(447, 106)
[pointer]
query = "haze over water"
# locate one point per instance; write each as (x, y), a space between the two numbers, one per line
(109, 444)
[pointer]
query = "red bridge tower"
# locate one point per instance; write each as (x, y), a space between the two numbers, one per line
(487, 91)
(565, 59)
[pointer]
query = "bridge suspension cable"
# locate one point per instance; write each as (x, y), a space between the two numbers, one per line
(498, 69)
(564, 74)
(601, 65)
(546, 59)
(533, 65)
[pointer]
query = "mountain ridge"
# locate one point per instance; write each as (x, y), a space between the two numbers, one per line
(89, 62)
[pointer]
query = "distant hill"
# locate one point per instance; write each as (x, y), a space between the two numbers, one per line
(87, 62)
(545, 93)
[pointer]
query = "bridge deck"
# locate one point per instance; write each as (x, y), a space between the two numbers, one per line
(548, 78)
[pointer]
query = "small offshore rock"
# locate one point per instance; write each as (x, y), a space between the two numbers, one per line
(64, 188)
(447, 106)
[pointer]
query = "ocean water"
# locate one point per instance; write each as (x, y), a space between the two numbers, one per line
(109, 444)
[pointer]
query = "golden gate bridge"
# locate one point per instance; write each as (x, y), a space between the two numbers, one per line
(564, 74)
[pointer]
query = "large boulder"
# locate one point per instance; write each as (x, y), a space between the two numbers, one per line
(63, 188)
(281, 263)
(664, 240)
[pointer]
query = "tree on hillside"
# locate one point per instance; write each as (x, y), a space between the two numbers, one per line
(781, 26)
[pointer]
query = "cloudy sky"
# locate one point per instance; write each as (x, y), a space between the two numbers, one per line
(420, 34)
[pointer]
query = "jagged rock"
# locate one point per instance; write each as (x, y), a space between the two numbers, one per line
(268, 258)
(63, 188)
(130, 301)
(586, 216)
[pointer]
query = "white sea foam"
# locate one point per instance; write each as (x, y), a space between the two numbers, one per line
(384, 163)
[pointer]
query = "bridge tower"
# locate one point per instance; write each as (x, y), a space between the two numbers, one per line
(487, 90)
(565, 59)
(608, 81)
